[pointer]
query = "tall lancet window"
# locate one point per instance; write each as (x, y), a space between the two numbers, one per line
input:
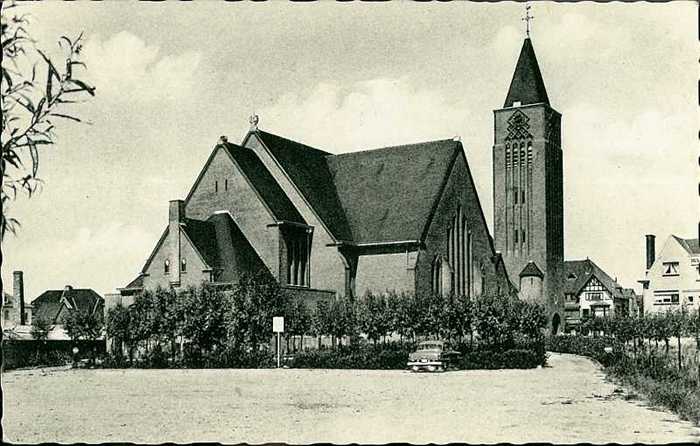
(459, 254)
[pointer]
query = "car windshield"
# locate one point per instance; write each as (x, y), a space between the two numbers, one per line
(430, 347)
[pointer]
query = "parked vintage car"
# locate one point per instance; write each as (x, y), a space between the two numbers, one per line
(432, 356)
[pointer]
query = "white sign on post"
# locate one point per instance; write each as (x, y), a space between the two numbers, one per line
(278, 327)
(278, 324)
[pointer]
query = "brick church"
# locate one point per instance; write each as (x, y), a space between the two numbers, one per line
(405, 218)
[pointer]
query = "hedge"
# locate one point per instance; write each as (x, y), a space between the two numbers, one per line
(19, 354)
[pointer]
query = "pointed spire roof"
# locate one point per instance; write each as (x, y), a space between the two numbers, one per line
(527, 86)
(531, 269)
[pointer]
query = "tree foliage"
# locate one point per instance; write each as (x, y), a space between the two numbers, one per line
(35, 93)
(83, 325)
(40, 328)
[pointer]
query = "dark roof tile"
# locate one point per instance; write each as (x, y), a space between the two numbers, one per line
(388, 194)
(308, 169)
(264, 184)
(527, 85)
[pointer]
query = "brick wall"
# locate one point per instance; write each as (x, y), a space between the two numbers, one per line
(459, 191)
(327, 266)
(237, 196)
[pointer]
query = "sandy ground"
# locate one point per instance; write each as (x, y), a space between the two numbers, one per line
(567, 402)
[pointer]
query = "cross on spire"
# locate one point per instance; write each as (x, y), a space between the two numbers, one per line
(527, 19)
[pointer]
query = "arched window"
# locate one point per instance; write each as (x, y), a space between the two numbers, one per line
(183, 266)
(459, 255)
(437, 275)
(166, 266)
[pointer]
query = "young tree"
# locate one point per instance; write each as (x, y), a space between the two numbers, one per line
(372, 316)
(117, 326)
(83, 325)
(677, 322)
(320, 320)
(34, 94)
(40, 328)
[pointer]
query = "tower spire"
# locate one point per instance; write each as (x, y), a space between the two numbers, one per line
(527, 19)
(527, 86)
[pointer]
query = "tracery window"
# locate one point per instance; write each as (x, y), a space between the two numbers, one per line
(459, 254)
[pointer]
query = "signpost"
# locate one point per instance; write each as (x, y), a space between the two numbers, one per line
(278, 327)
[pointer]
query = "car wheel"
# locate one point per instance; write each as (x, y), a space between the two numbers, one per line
(431, 368)
(414, 368)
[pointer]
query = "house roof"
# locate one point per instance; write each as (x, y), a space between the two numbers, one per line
(692, 245)
(202, 234)
(48, 305)
(531, 269)
(263, 182)
(527, 85)
(577, 273)
(136, 283)
(308, 169)
(389, 194)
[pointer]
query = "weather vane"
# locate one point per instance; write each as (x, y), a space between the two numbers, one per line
(527, 19)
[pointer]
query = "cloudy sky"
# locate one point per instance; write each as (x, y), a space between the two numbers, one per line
(172, 77)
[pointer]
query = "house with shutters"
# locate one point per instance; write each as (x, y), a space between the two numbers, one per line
(405, 218)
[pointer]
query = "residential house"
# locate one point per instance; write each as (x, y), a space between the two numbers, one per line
(591, 292)
(672, 279)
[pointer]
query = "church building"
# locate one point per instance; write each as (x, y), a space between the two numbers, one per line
(405, 218)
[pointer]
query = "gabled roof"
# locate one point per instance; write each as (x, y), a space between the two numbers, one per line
(203, 236)
(531, 269)
(389, 194)
(581, 272)
(213, 240)
(48, 305)
(692, 245)
(527, 85)
(309, 171)
(136, 283)
(263, 182)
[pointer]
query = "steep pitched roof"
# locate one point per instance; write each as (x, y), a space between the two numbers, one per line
(692, 245)
(308, 170)
(48, 305)
(264, 183)
(581, 272)
(136, 283)
(388, 194)
(531, 269)
(203, 236)
(527, 85)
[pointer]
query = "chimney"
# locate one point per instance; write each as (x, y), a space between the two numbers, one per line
(175, 217)
(651, 250)
(18, 296)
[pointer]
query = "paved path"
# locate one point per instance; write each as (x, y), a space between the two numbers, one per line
(567, 402)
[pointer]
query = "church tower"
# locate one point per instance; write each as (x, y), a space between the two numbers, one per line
(528, 183)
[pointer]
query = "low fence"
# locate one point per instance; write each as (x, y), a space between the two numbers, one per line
(30, 353)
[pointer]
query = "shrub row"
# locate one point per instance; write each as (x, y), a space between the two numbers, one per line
(20, 354)
(370, 357)
(508, 359)
(216, 324)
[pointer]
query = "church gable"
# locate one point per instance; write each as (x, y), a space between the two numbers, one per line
(159, 268)
(223, 186)
(457, 240)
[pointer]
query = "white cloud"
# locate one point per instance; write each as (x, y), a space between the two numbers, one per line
(369, 114)
(124, 67)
